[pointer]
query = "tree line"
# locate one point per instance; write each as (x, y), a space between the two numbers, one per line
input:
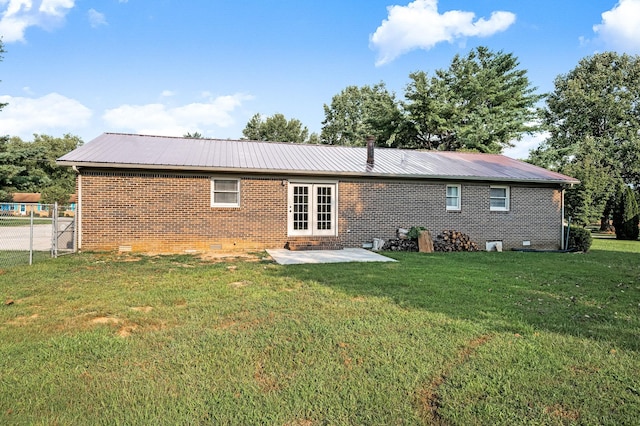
(482, 102)
(30, 166)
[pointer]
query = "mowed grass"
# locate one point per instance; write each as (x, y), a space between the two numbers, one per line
(456, 338)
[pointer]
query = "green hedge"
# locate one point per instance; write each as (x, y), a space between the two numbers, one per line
(579, 238)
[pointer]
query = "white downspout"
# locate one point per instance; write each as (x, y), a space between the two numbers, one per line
(79, 211)
(562, 247)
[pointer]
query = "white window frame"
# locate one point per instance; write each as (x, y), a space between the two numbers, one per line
(506, 198)
(213, 191)
(313, 212)
(458, 198)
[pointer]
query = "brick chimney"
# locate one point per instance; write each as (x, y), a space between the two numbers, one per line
(370, 144)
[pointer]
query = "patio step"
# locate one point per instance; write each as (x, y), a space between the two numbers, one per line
(314, 245)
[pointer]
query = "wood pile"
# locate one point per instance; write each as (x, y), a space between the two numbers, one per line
(454, 241)
(400, 244)
(448, 240)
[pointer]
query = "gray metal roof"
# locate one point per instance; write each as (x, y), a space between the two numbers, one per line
(114, 150)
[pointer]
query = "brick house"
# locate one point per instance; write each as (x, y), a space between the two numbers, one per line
(23, 203)
(165, 194)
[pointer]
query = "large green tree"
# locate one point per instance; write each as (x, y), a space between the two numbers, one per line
(30, 166)
(626, 214)
(595, 108)
(482, 102)
(358, 112)
(278, 129)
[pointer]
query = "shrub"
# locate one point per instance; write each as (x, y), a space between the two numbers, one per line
(626, 215)
(579, 238)
(414, 232)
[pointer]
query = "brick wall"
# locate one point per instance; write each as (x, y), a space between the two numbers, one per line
(169, 212)
(164, 212)
(376, 210)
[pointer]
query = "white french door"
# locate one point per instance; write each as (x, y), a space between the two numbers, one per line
(312, 209)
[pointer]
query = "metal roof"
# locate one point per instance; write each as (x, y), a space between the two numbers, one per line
(115, 150)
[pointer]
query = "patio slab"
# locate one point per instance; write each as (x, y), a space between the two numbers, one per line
(288, 257)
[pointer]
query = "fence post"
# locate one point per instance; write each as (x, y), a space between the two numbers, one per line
(31, 239)
(54, 231)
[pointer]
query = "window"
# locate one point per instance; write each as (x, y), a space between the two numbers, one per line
(225, 192)
(312, 209)
(499, 198)
(453, 197)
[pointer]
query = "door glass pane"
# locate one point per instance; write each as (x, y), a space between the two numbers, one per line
(300, 208)
(323, 208)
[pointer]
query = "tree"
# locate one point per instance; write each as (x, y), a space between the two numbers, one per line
(586, 202)
(277, 128)
(194, 135)
(595, 108)
(626, 215)
(358, 112)
(31, 166)
(482, 102)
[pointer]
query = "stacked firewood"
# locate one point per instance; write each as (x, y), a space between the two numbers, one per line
(400, 244)
(448, 240)
(451, 240)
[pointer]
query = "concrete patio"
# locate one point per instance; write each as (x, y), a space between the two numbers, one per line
(288, 257)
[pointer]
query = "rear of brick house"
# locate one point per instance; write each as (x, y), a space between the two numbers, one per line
(169, 195)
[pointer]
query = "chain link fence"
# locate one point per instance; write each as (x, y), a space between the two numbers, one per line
(32, 232)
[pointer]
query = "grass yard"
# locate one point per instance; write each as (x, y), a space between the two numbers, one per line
(457, 338)
(22, 221)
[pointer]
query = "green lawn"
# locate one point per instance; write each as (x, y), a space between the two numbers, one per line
(454, 338)
(22, 221)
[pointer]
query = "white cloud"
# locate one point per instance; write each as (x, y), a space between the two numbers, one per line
(620, 27)
(22, 14)
(96, 18)
(419, 26)
(521, 148)
(167, 93)
(48, 114)
(160, 119)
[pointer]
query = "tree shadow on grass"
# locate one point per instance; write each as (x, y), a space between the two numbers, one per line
(580, 295)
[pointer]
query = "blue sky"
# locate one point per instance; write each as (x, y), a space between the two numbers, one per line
(168, 67)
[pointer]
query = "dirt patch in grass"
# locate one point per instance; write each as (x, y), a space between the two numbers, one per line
(266, 382)
(127, 330)
(105, 320)
(244, 321)
(145, 309)
(300, 422)
(23, 320)
(429, 397)
(234, 257)
(559, 412)
(240, 284)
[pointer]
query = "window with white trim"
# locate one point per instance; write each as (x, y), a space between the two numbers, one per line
(453, 197)
(225, 192)
(499, 198)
